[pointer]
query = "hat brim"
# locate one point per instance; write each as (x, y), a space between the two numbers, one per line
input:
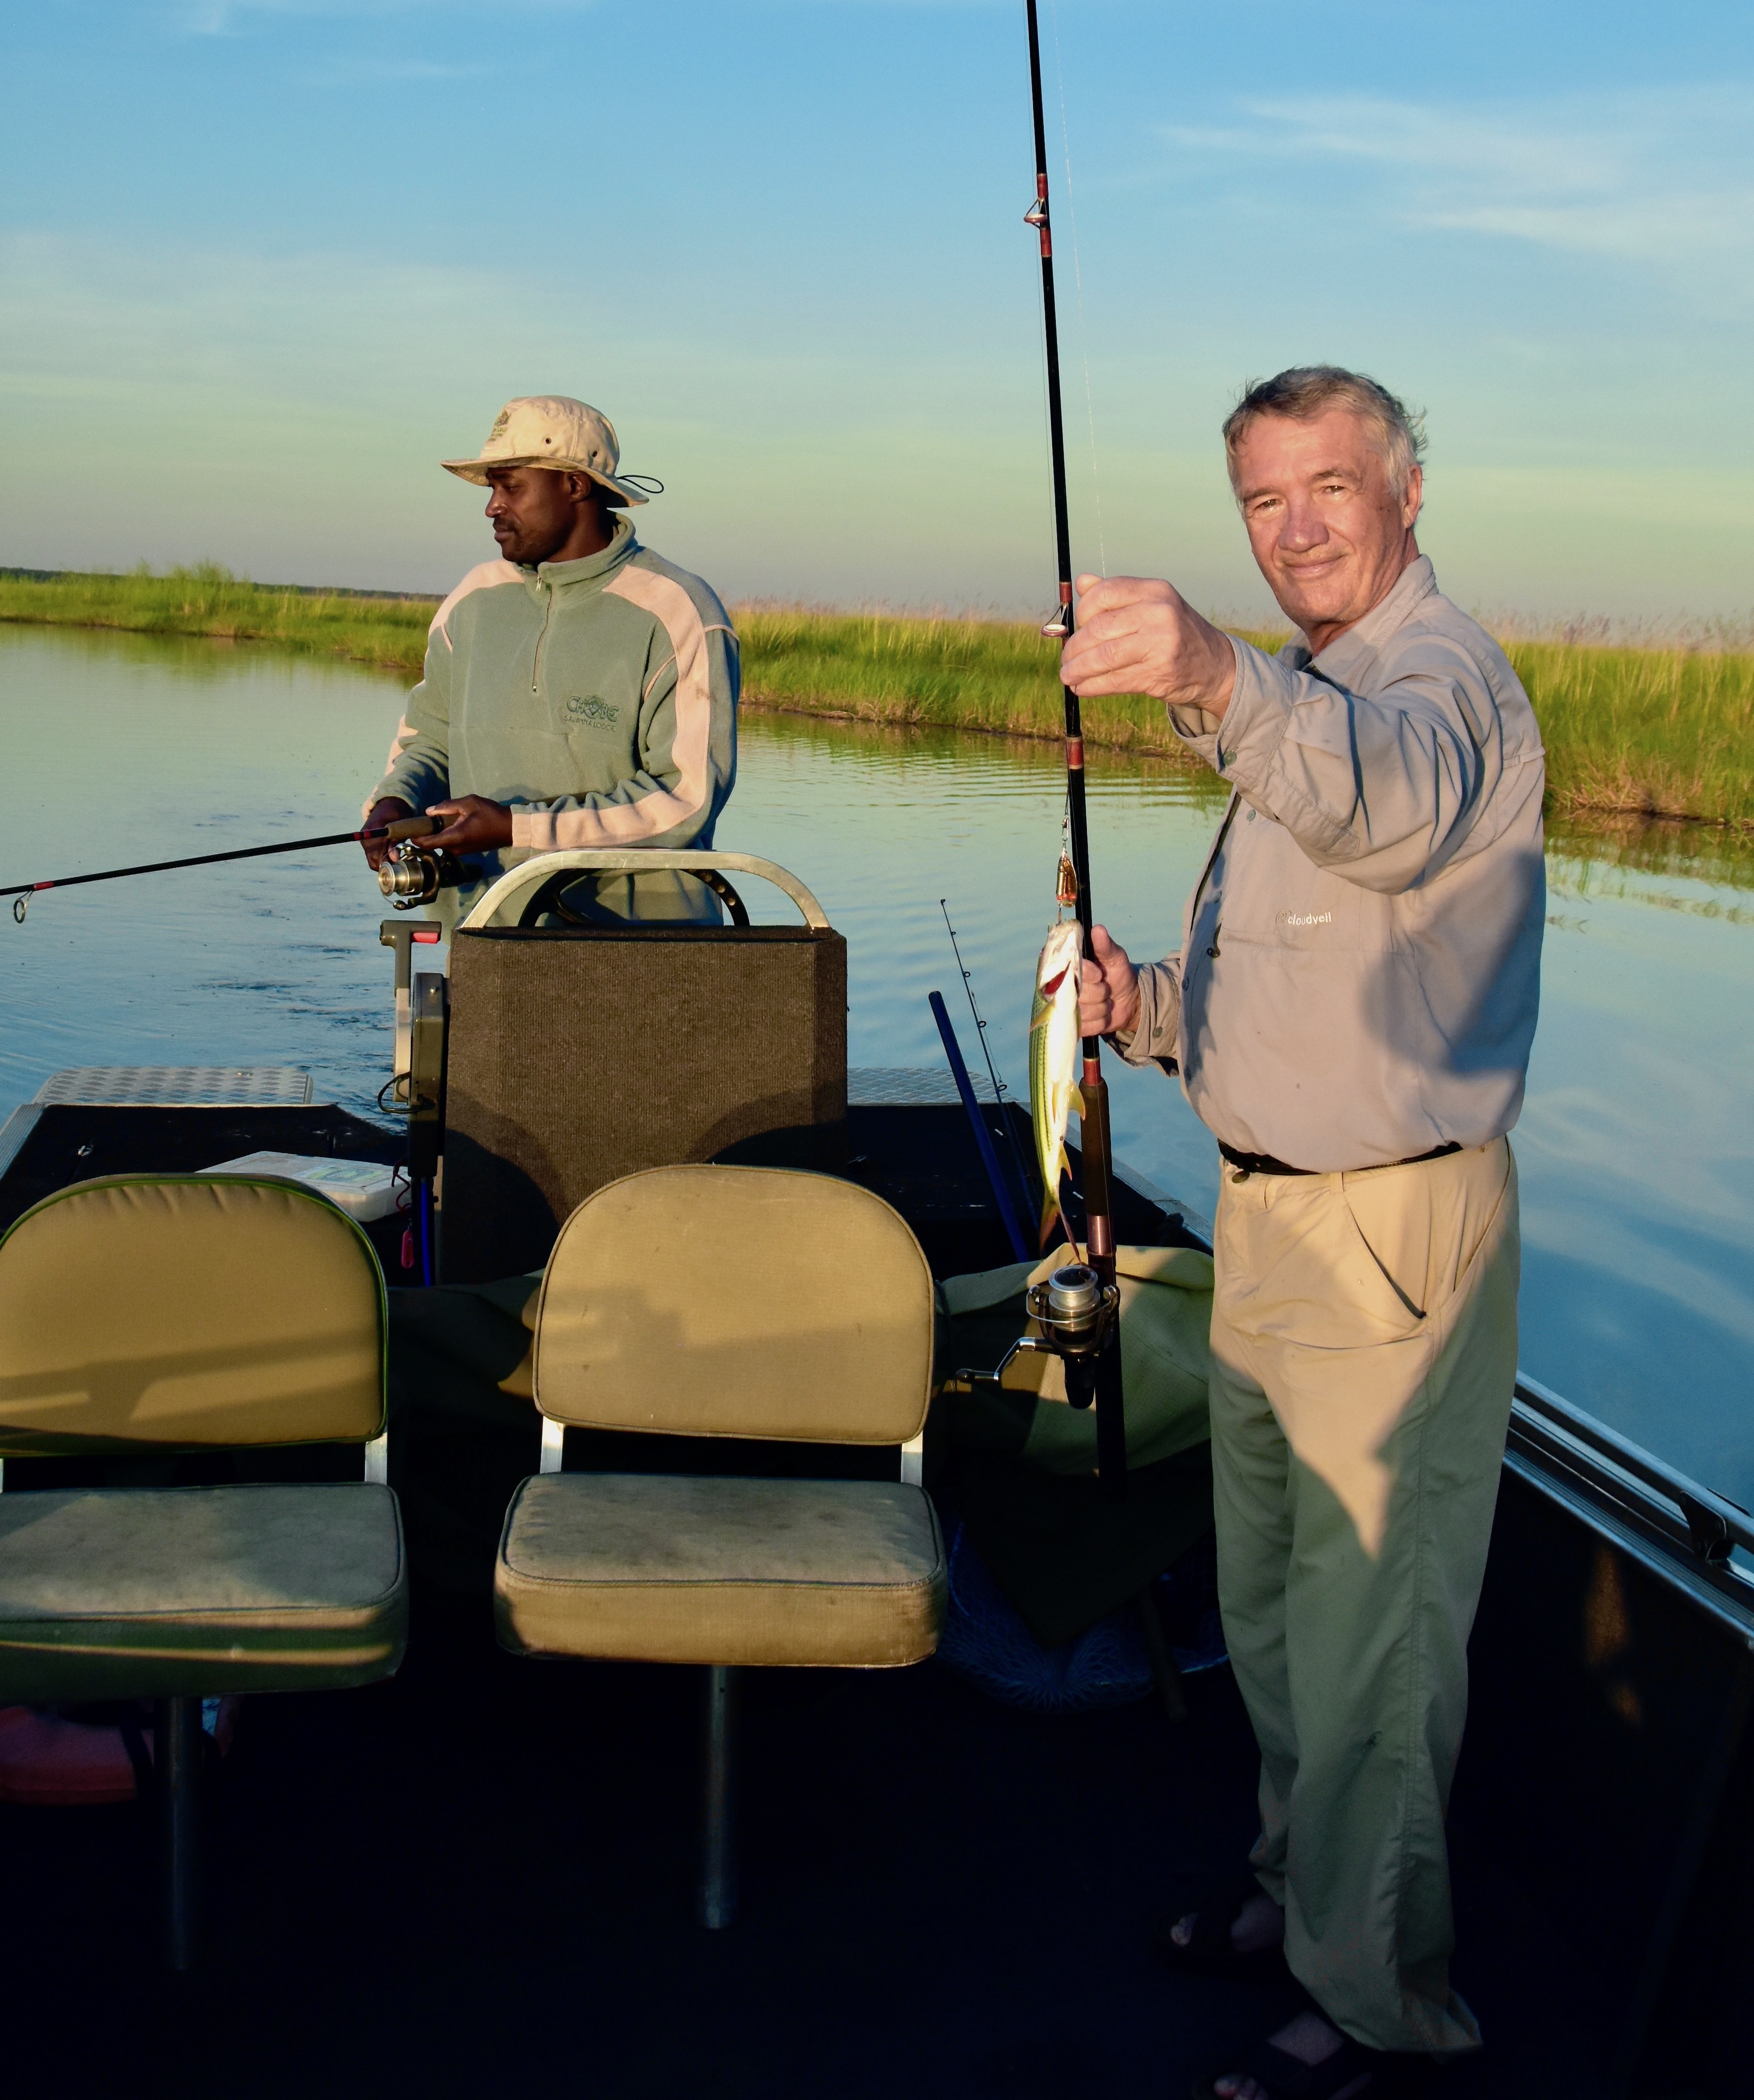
(477, 470)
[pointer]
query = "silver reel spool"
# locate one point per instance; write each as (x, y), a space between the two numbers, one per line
(415, 876)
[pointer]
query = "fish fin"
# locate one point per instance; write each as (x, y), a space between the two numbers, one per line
(1054, 1207)
(1077, 1100)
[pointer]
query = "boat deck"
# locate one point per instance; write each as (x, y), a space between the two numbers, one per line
(482, 1871)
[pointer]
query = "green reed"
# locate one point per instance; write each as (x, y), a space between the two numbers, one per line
(210, 600)
(1655, 732)
(1642, 733)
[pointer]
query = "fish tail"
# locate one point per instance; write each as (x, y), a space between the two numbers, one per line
(1054, 1205)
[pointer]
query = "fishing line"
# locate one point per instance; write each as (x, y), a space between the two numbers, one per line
(1047, 444)
(1077, 279)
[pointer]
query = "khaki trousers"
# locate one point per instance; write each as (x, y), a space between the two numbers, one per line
(1364, 1355)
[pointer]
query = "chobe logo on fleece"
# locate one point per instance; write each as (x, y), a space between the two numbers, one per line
(1305, 918)
(589, 708)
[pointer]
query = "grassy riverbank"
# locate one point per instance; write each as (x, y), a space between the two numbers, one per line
(210, 601)
(1650, 731)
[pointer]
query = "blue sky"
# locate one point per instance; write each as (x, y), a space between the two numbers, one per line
(261, 265)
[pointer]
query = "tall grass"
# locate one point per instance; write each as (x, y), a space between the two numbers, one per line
(910, 672)
(1644, 732)
(210, 600)
(1648, 732)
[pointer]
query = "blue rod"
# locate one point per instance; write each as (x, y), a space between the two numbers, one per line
(983, 1136)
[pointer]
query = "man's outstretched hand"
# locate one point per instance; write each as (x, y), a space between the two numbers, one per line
(473, 824)
(390, 810)
(1108, 988)
(1137, 635)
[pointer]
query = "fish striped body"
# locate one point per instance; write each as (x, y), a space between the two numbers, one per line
(1054, 1059)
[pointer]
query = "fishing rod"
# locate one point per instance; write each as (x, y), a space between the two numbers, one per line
(1001, 1092)
(403, 828)
(1097, 1174)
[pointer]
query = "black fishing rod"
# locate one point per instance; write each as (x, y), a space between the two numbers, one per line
(405, 828)
(1097, 1175)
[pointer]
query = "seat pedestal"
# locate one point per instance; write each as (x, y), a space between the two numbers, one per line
(177, 1759)
(718, 1869)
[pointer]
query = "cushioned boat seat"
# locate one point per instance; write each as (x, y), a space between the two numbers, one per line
(146, 1309)
(671, 1568)
(165, 1593)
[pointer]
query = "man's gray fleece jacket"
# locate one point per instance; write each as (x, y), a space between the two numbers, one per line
(1360, 963)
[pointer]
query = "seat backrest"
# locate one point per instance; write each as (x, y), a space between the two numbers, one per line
(209, 1309)
(552, 1090)
(737, 1301)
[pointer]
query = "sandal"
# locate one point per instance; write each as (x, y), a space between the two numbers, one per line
(1210, 1951)
(1283, 2076)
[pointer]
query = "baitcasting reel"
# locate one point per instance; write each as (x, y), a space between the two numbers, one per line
(416, 876)
(1075, 1312)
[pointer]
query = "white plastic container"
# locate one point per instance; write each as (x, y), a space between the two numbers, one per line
(362, 1188)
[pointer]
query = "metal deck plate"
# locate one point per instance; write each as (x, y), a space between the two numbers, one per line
(910, 1085)
(177, 1086)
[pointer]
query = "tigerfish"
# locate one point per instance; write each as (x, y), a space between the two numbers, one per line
(1054, 1059)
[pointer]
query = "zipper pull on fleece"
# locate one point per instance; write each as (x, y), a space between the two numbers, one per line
(547, 614)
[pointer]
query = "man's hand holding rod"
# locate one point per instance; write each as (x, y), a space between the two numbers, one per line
(472, 824)
(1135, 634)
(1108, 988)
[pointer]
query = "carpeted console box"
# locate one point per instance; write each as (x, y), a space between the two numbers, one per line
(576, 1056)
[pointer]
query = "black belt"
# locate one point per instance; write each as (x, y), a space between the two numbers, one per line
(1263, 1162)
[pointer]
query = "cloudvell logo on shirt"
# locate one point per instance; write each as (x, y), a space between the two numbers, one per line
(1305, 918)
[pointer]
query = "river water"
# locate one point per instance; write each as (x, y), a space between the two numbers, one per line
(1636, 1147)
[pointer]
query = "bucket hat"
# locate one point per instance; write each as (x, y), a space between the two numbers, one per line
(551, 430)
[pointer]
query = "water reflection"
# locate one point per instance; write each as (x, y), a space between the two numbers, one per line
(1636, 1146)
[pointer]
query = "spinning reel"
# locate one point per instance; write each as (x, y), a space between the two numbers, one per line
(1074, 1313)
(415, 876)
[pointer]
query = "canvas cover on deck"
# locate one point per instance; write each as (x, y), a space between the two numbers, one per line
(1020, 1463)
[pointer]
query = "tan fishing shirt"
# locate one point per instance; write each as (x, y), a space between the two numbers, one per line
(1360, 964)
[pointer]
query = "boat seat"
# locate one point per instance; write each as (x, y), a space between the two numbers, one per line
(676, 1569)
(145, 1314)
(754, 1303)
(145, 1593)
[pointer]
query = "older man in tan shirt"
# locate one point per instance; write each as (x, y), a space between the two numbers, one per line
(1351, 1015)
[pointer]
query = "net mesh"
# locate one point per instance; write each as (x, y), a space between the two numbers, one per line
(984, 1639)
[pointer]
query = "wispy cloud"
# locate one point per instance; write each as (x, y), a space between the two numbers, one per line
(227, 18)
(1662, 177)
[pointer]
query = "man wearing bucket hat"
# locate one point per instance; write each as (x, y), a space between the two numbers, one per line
(580, 691)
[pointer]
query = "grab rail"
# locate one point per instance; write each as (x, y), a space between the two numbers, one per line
(520, 882)
(1683, 1530)
(1639, 1499)
(1714, 1525)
